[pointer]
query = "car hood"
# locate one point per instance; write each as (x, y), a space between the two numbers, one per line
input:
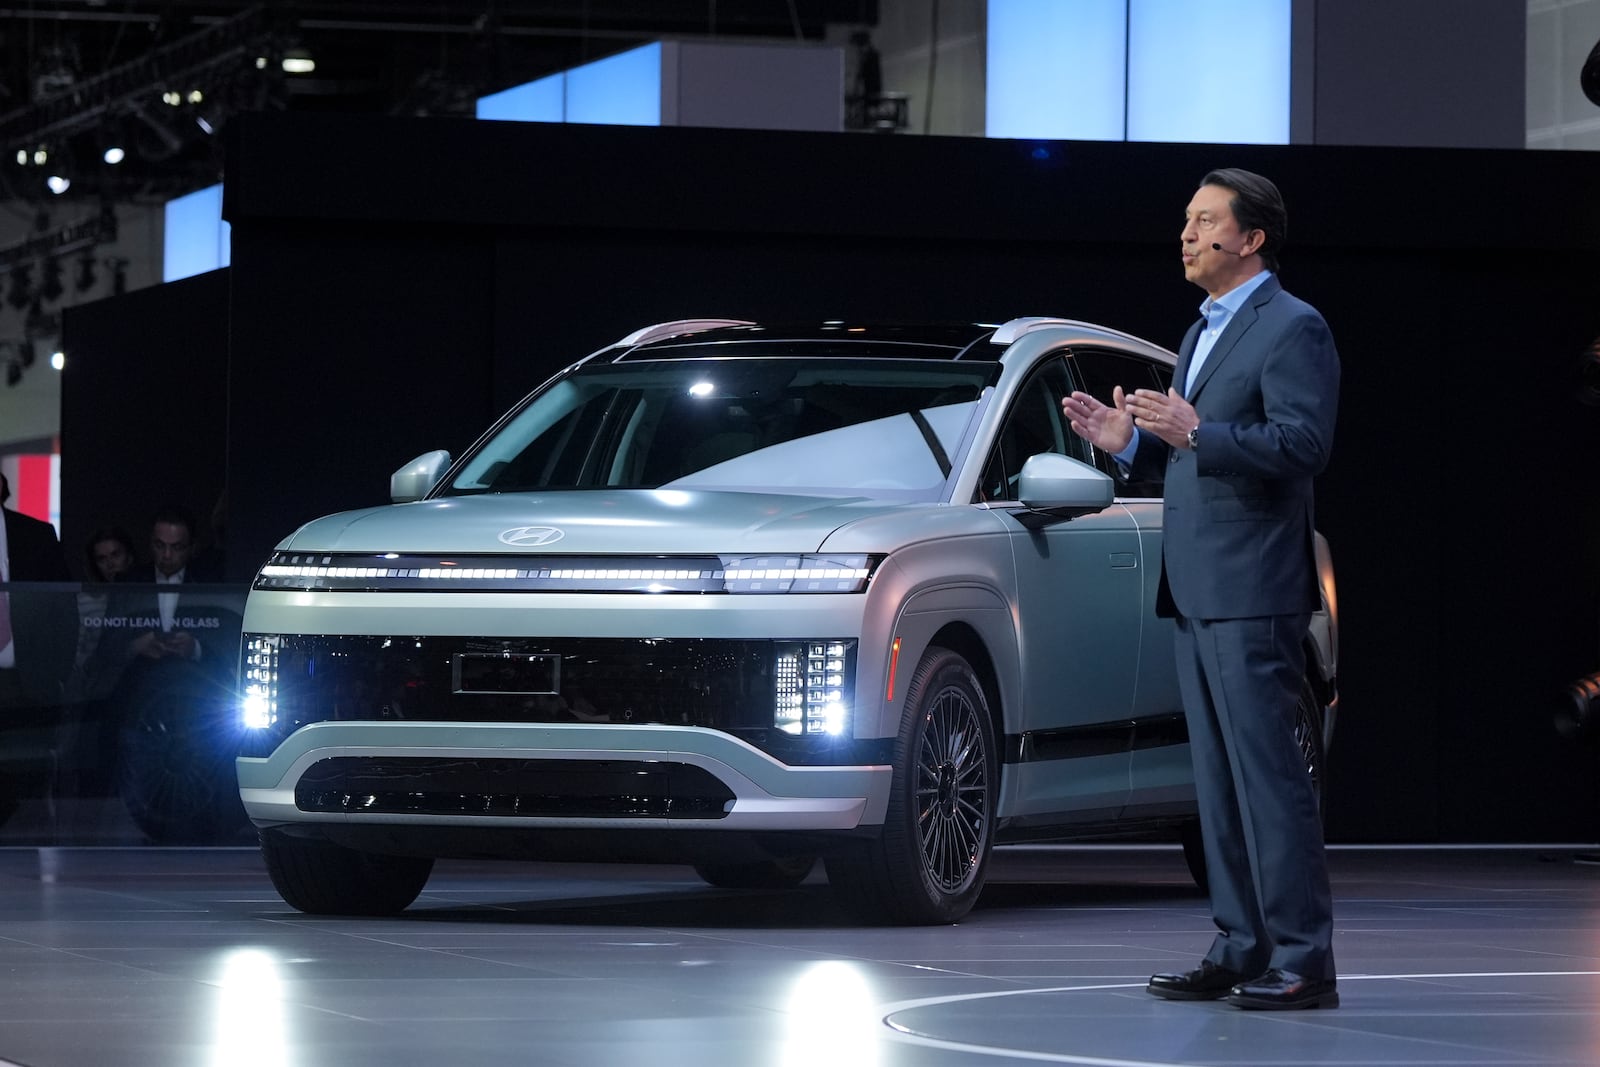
(609, 522)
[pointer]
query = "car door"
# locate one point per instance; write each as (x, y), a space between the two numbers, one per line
(1078, 595)
(1159, 766)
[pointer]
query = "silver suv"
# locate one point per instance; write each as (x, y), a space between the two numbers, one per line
(739, 597)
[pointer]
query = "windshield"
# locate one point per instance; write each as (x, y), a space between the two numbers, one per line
(876, 428)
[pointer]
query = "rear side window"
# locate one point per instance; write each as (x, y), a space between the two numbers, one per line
(1098, 372)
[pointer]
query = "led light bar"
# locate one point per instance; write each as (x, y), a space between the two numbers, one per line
(813, 687)
(258, 707)
(809, 573)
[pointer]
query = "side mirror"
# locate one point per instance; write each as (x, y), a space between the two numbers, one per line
(1055, 483)
(413, 481)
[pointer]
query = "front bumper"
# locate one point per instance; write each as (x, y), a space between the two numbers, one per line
(550, 775)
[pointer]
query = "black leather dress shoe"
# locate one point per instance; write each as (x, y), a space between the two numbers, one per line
(1205, 982)
(1284, 991)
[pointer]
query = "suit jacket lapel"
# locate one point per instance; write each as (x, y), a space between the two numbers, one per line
(1180, 372)
(1238, 326)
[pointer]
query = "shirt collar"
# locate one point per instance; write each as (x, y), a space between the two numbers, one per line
(1225, 305)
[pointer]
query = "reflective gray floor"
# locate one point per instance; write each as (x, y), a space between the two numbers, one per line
(144, 956)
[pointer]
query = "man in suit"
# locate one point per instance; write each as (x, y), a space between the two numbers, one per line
(1247, 425)
(172, 542)
(30, 552)
(172, 703)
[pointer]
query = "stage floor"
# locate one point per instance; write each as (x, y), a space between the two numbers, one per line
(150, 957)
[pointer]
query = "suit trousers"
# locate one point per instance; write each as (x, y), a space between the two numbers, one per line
(1241, 680)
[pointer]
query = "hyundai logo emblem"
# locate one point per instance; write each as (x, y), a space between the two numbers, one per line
(531, 536)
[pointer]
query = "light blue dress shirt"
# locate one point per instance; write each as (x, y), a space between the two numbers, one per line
(1217, 313)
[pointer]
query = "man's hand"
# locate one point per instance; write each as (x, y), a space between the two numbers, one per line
(1170, 417)
(147, 645)
(180, 644)
(1108, 428)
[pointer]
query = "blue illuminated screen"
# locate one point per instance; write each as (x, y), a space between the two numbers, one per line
(1056, 69)
(1140, 70)
(544, 100)
(620, 90)
(196, 239)
(1221, 78)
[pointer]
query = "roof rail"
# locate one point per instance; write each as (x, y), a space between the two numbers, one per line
(1027, 324)
(675, 328)
(1014, 329)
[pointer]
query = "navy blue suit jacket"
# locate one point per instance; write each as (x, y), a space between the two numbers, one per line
(1238, 523)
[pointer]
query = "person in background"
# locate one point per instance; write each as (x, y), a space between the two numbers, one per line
(29, 552)
(172, 542)
(107, 554)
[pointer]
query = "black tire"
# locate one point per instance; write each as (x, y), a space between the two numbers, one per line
(321, 878)
(176, 744)
(928, 864)
(1308, 723)
(763, 874)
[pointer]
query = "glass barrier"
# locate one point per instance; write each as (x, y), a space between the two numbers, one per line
(118, 721)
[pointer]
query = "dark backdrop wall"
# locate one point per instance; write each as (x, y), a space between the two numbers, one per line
(398, 284)
(144, 411)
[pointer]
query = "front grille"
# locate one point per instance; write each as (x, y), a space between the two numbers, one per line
(528, 787)
(727, 685)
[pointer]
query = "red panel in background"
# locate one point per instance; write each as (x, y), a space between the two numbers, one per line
(31, 493)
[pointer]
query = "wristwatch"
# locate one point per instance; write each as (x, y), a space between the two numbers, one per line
(1194, 437)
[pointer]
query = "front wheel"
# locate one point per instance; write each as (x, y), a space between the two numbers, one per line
(1308, 720)
(929, 862)
(177, 739)
(321, 878)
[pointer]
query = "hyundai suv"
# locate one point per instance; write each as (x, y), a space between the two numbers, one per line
(740, 597)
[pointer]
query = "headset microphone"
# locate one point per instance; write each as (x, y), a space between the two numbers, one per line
(1218, 248)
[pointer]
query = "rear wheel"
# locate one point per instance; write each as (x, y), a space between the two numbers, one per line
(321, 878)
(1308, 721)
(929, 862)
(763, 874)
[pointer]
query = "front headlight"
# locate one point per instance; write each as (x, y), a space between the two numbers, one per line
(258, 682)
(815, 682)
(798, 574)
(394, 572)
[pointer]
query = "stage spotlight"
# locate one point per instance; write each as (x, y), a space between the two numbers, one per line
(50, 287)
(114, 155)
(86, 275)
(156, 140)
(1578, 709)
(298, 60)
(58, 360)
(21, 294)
(58, 183)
